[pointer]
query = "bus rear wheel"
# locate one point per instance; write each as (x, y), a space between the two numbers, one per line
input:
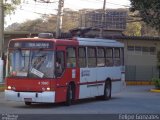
(107, 90)
(28, 103)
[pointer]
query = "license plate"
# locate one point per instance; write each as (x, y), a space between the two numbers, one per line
(28, 99)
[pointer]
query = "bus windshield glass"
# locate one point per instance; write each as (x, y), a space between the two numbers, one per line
(31, 63)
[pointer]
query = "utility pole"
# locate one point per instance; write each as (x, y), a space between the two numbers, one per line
(59, 18)
(103, 19)
(1, 28)
(1, 39)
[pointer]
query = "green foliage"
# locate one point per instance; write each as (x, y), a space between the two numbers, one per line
(147, 30)
(149, 10)
(156, 82)
(30, 25)
(10, 6)
(133, 29)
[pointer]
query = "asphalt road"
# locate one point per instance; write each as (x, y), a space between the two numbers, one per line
(132, 100)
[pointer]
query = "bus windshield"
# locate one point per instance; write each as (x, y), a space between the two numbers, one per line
(31, 63)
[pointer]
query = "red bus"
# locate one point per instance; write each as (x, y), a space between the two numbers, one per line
(48, 70)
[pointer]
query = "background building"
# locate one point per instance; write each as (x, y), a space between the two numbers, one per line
(114, 19)
(141, 57)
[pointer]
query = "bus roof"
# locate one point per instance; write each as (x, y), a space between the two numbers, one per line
(78, 40)
(99, 42)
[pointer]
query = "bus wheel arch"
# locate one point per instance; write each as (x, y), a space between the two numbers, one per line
(70, 96)
(107, 89)
(28, 103)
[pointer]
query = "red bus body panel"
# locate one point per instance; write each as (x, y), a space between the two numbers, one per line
(62, 83)
(28, 84)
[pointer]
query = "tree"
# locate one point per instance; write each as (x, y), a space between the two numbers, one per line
(149, 10)
(70, 19)
(12, 27)
(147, 30)
(47, 23)
(139, 29)
(133, 29)
(10, 6)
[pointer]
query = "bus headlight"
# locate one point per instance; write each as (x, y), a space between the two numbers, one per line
(9, 87)
(48, 89)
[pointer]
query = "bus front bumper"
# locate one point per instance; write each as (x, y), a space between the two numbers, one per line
(44, 97)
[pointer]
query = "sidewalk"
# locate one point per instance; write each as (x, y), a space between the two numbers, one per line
(138, 82)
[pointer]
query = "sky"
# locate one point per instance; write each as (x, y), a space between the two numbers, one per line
(30, 10)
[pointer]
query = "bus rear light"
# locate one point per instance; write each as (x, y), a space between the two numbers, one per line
(9, 87)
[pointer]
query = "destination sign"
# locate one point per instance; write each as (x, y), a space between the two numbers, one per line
(28, 44)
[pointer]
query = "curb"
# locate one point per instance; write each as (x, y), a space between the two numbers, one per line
(155, 90)
(139, 83)
(2, 88)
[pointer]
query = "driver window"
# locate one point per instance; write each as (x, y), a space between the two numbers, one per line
(59, 65)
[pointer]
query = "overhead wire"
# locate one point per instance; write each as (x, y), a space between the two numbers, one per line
(37, 7)
(114, 3)
(39, 4)
(107, 2)
(35, 12)
(43, 1)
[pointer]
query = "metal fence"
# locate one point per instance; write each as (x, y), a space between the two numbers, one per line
(141, 73)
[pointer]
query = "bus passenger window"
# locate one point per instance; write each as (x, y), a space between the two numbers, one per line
(100, 57)
(82, 57)
(71, 57)
(59, 65)
(91, 57)
(117, 60)
(109, 57)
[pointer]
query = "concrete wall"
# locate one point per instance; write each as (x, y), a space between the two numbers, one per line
(141, 65)
(141, 58)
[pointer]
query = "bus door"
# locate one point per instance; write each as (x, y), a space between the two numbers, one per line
(66, 56)
(71, 64)
(59, 72)
(72, 69)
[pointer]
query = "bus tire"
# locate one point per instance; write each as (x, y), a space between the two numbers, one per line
(107, 90)
(70, 95)
(28, 103)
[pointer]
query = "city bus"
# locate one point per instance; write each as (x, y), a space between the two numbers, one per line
(48, 70)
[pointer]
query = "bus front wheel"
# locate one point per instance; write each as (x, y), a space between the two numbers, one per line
(70, 95)
(107, 90)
